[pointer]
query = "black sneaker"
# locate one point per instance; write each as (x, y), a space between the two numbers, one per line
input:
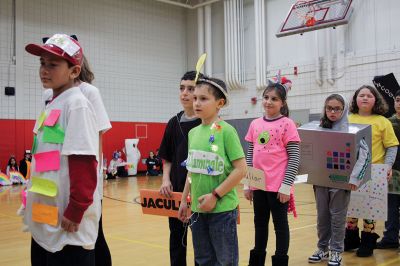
(387, 245)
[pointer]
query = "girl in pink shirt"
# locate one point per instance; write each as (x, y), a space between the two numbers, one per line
(274, 148)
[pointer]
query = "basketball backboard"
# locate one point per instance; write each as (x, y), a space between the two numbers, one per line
(312, 15)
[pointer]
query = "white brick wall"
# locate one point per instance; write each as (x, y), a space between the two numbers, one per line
(7, 67)
(139, 49)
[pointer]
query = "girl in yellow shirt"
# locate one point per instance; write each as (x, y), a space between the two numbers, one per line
(368, 107)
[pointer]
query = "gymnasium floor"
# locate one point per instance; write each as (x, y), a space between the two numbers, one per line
(137, 239)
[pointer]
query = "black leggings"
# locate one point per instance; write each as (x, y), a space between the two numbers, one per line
(102, 252)
(264, 204)
(68, 256)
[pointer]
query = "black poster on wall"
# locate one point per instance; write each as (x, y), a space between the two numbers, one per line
(387, 86)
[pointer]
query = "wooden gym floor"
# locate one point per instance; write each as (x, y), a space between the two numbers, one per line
(137, 239)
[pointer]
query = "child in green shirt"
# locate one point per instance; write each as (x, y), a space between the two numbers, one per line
(216, 165)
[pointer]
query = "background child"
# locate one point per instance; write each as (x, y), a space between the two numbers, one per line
(174, 151)
(332, 203)
(64, 227)
(368, 107)
(274, 148)
(12, 165)
(392, 225)
(216, 165)
(151, 163)
(25, 164)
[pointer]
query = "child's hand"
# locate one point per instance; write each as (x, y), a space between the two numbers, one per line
(389, 174)
(248, 194)
(353, 187)
(182, 212)
(207, 202)
(69, 225)
(283, 198)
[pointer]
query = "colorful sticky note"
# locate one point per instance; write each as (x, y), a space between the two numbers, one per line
(34, 145)
(44, 214)
(53, 134)
(41, 119)
(199, 65)
(43, 186)
(52, 118)
(47, 161)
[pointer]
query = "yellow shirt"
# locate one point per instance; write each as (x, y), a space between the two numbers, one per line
(382, 134)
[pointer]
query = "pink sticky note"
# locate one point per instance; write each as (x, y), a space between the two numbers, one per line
(47, 161)
(52, 118)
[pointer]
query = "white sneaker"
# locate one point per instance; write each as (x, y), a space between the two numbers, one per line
(335, 259)
(318, 256)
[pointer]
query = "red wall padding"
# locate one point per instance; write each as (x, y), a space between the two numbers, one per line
(16, 137)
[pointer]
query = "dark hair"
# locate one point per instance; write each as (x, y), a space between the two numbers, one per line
(325, 122)
(281, 92)
(86, 74)
(380, 106)
(191, 75)
(9, 161)
(397, 94)
(216, 92)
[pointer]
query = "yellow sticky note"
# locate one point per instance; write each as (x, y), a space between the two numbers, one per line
(199, 65)
(41, 119)
(44, 214)
(43, 186)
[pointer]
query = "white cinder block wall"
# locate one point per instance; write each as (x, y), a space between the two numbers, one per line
(371, 42)
(138, 50)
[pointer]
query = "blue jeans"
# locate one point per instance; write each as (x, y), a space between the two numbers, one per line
(392, 226)
(215, 240)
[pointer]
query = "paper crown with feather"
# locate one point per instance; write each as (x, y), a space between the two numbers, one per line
(280, 82)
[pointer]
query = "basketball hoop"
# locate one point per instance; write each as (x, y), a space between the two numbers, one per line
(305, 11)
(310, 15)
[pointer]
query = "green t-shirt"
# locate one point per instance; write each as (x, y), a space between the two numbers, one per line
(212, 148)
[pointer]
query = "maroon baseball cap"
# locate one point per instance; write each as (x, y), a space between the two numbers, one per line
(60, 45)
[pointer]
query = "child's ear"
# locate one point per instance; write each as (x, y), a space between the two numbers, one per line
(221, 103)
(76, 70)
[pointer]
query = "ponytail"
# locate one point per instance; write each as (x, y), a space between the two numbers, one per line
(285, 109)
(86, 74)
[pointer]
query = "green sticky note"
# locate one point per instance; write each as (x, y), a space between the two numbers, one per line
(53, 134)
(43, 186)
(34, 145)
(41, 119)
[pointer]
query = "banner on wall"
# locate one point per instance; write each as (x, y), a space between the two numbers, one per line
(132, 155)
(370, 200)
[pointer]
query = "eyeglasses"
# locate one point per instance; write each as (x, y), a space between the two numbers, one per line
(333, 109)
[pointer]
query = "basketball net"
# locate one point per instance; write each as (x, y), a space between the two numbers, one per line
(305, 11)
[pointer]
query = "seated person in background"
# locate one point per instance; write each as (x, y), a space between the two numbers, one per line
(12, 165)
(116, 167)
(159, 163)
(151, 163)
(25, 164)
